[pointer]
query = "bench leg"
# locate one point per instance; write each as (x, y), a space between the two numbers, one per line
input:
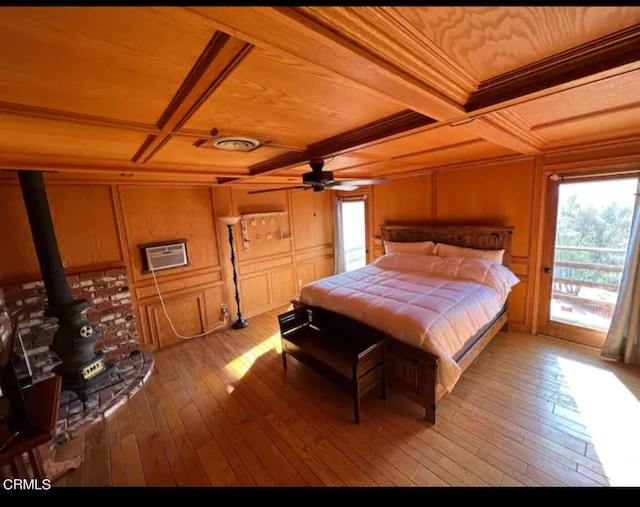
(284, 359)
(356, 394)
(36, 464)
(383, 386)
(356, 406)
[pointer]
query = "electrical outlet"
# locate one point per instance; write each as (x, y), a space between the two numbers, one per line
(224, 313)
(299, 283)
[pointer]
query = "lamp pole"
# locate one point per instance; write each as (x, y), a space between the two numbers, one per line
(240, 323)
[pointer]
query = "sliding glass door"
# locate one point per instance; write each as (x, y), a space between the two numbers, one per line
(587, 231)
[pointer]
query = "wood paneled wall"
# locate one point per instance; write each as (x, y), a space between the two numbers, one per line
(404, 199)
(84, 219)
(271, 270)
(313, 222)
(497, 193)
(193, 294)
(101, 225)
(501, 194)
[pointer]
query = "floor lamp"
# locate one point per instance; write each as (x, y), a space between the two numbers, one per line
(230, 222)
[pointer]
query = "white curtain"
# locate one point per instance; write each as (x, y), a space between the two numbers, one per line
(338, 254)
(623, 338)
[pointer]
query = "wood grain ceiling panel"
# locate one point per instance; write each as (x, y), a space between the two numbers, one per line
(430, 139)
(115, 62)
(29, 136)
(489, 41)
(386, 34)
(388, 168)
(592, 127)
(597, 111)
(182, 150)
(463, 152)
(313, 74)
(280, 97)
(600, 96)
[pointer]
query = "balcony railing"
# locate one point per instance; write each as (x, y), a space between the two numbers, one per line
(355, 257)
(594, 300)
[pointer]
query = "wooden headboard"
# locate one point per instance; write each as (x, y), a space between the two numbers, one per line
(486, 237)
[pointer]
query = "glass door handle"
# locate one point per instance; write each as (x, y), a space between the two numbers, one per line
(547, 270)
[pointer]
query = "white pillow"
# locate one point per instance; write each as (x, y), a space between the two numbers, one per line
(444, 250)
(415, 247)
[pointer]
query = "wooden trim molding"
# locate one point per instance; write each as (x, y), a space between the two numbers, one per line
(288, 159)
(351, 139)
(605, 53)
(221, 56)
(146, 146)
(218, 60)
(291, 31)
(46, 113)
(379, 129)
(591, 116)
(504, 133)
(386, 33)
(76, 270)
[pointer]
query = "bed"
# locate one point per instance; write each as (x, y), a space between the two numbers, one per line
(402, 293)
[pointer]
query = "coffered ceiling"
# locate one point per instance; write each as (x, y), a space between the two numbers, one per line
(375, 91)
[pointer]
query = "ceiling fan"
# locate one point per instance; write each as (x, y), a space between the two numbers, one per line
(320, 180)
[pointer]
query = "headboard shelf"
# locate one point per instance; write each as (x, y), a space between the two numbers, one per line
(486, 237)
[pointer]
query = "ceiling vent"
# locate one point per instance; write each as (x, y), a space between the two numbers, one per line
(231, 143)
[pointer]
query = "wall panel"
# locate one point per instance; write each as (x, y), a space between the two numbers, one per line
(282, 286)
(312, 218)
(403, 200)
(258, 228)
(255, 293)
(154, 214)
(186, 313)
(498, 194)
(84, 221)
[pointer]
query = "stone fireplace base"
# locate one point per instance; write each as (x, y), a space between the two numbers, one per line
(22, 309)
(103, 399)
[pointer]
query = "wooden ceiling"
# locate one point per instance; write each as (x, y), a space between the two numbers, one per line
(136, 92)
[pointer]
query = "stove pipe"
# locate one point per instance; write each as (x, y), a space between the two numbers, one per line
(75, 338)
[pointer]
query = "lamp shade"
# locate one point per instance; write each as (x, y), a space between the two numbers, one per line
(229, 220)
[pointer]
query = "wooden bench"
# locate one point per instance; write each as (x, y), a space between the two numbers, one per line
(339, 349)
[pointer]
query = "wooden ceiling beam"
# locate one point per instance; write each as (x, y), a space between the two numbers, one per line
(218, 60)
(499, 132)
(374, 131)
(335, 145)
(288, 30)
(603, 54)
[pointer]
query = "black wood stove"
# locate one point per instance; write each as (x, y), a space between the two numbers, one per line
(74, 341)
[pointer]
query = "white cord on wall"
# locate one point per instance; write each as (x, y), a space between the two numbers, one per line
(166, 314)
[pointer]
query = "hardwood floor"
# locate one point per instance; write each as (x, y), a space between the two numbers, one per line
(220, 410)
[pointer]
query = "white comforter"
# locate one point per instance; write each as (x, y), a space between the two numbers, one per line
(430, 302)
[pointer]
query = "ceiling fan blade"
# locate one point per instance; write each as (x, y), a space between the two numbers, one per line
(347, 188)
(277, 189)
(374, 181)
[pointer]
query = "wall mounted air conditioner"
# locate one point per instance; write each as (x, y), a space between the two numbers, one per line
(165, 255)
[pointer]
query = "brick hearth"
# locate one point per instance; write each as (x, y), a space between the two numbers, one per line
(22, 308)
(103, 399)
